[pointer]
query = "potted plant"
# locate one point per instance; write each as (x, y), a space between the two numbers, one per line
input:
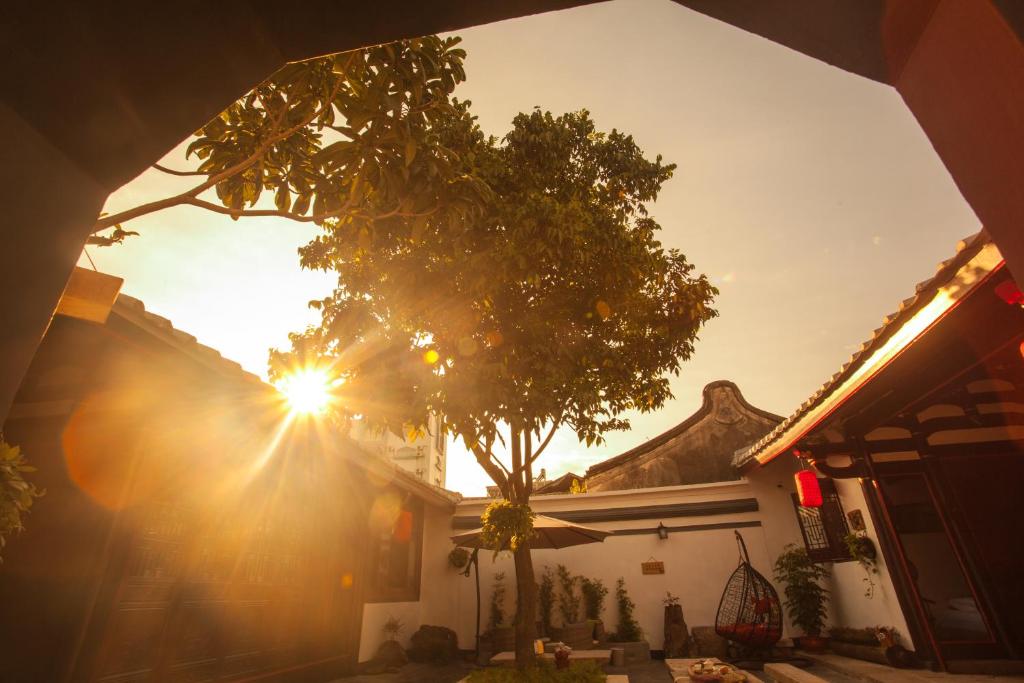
(502, 638)
(805, 596)
(594, 592)
(862, 549)
(458, 558)
(575, 631)
(546, 600)
(629, 636)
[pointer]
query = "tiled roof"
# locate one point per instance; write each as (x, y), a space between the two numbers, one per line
(924, 291)
(134, 311)
(665, 437)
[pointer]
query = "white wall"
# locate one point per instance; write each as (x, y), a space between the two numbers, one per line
(439, 604)
(697, 563)
(773, 486)
(850, 607)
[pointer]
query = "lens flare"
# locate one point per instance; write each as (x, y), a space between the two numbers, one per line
(307, 391)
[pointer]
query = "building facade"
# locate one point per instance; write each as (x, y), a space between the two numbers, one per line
(423, 457)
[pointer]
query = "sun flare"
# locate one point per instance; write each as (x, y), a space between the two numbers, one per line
(307, 391)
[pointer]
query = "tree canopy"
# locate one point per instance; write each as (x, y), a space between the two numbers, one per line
(555, 306)
(348, 136)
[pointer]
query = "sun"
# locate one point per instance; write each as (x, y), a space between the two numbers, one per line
(308, 391)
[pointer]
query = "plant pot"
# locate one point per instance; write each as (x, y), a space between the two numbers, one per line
(503, 639)
(815, 644)
(866, 548)
(577, 636)
(636, 652)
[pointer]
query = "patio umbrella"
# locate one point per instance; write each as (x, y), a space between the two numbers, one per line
(549, 533)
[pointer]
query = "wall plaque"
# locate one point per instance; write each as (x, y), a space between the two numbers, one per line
(652, 566)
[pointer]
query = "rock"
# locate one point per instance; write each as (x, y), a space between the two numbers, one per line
(390, 655)
(707, 643)
(435, 644)
(677, 635)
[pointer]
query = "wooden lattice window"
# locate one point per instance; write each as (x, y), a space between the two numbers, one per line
(824, 529)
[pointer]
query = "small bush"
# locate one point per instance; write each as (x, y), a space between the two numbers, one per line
(568, 602)
(629, 630)
(543, 672)
(546, 598)
(497, 614)
(594, 593)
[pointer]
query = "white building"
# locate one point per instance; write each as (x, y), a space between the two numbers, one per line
(424, 457)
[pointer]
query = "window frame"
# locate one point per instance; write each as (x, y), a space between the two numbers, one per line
(824, 528)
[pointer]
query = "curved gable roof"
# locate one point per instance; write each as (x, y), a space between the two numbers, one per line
(705, 409)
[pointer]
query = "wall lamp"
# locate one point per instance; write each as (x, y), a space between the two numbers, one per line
(662, 531)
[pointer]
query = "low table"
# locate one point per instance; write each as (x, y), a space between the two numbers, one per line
(679, 669)
(599, 656)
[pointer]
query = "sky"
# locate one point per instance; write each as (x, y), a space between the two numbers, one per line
(810, 196)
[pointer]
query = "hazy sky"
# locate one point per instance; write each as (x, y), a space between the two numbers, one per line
(809, 195)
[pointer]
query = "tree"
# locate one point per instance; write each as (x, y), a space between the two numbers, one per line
(554, 307)
(349, 137)
(16, 494)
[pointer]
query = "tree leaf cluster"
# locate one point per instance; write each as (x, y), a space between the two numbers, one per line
(554, 305)
(16, 494)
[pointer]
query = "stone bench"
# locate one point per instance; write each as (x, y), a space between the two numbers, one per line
(787, 673)
(600, 656)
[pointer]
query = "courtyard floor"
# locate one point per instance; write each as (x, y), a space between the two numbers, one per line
(650, 672)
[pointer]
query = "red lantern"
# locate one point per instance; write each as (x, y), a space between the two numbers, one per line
(1009, 292)
(808, 490)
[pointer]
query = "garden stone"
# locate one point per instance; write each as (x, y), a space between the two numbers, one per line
(436, 644)
(707, 643)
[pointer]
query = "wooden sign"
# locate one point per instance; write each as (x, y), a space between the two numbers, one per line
(652, 566)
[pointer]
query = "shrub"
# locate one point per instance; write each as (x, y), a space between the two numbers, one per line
(546, 598)
(629, 630)
(594, 592)
(805, 597)
(497, 614)
(543, 672)
(568, 603)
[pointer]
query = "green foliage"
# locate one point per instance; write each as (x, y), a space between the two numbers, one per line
(629, 630)
(16, 494)
(555, 305)
(496, 616)
(568, 601)
(805, 597)
(392, 627)
(542, 672)
(862, 550)
(458, 557)
(351, 136)
(594, 592)
(506, 526)
(546, 598)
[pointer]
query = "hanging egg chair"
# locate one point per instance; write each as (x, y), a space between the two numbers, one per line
(749, 613)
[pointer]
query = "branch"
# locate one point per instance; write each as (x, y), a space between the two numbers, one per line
(184, 197)
(545, 442)
(172, 171)
(483, 458)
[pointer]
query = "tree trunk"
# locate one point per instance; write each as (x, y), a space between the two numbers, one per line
(526, 608)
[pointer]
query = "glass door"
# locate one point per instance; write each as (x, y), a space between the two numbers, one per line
(953, 610)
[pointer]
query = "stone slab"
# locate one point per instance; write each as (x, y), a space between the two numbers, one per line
(599, 656)
(787, 673)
